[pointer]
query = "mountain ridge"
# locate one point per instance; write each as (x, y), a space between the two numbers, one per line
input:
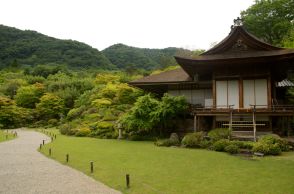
(31, 48)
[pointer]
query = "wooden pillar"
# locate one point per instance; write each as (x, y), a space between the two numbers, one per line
(214, 92)
(269, 91)
(241, 100)
(254, 124)
(289, 126)
(271, 123)
(195, 123)
(231, 120)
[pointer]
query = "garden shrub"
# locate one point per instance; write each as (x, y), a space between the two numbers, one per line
(75, 112)
(103, 129)
(232, 149)
(103, 102)
(261, 148)
(105, 125)
(220, 145)
(266, 148)
(109, 115)
(104, 133)
(275, 149)
(53, 122)
(83, 132)
(205, 143)
(92, 117)
(243, 144)
(275, 139)
(193, 140)
(219, 133)
(66, 129)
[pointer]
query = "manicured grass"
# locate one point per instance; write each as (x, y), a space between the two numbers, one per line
(173, 170)
(4, 136)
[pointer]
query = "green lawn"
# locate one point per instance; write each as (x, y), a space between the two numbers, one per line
(3, 134)
(173, 170)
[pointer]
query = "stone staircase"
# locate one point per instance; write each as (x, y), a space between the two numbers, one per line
(248, 135)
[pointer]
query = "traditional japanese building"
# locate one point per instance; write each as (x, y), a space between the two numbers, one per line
(240, 83)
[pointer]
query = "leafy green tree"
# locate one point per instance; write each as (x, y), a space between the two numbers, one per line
(140, 116)
(169, 108)
(148, 113)
(11, 86)
(12, 116)
(28, 96)
(270, 20)
(50, 106)
(288, 40)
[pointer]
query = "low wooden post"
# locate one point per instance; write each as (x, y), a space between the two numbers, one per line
(92, 166)
(55, 136)
(67, 158)
(50, 152)
(43, 142)
(40, 146)
(128, 180)
(51, 138)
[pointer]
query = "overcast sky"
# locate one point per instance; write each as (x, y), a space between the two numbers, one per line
(188, 24)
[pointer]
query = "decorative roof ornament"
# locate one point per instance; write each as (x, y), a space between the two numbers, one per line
(238, 22)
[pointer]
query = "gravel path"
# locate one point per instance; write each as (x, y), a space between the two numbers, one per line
(23, 170)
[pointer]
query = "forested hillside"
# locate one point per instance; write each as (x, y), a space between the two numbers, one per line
(27, 47)
(30, 48)
(128, 57)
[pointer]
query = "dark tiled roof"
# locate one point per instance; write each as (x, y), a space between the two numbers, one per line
(236, 33)
(245, 55)
(177, 75)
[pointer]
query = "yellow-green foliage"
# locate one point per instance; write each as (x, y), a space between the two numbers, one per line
(50, 106)
(75, 112)
(102, 102)
(120, 93)
(106, 78)
(4, 101)
(28, 96)
(85, 131)
(164, 70)
(92, 116)
(105, 125)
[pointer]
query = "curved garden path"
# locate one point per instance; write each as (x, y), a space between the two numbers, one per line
(24, 170)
